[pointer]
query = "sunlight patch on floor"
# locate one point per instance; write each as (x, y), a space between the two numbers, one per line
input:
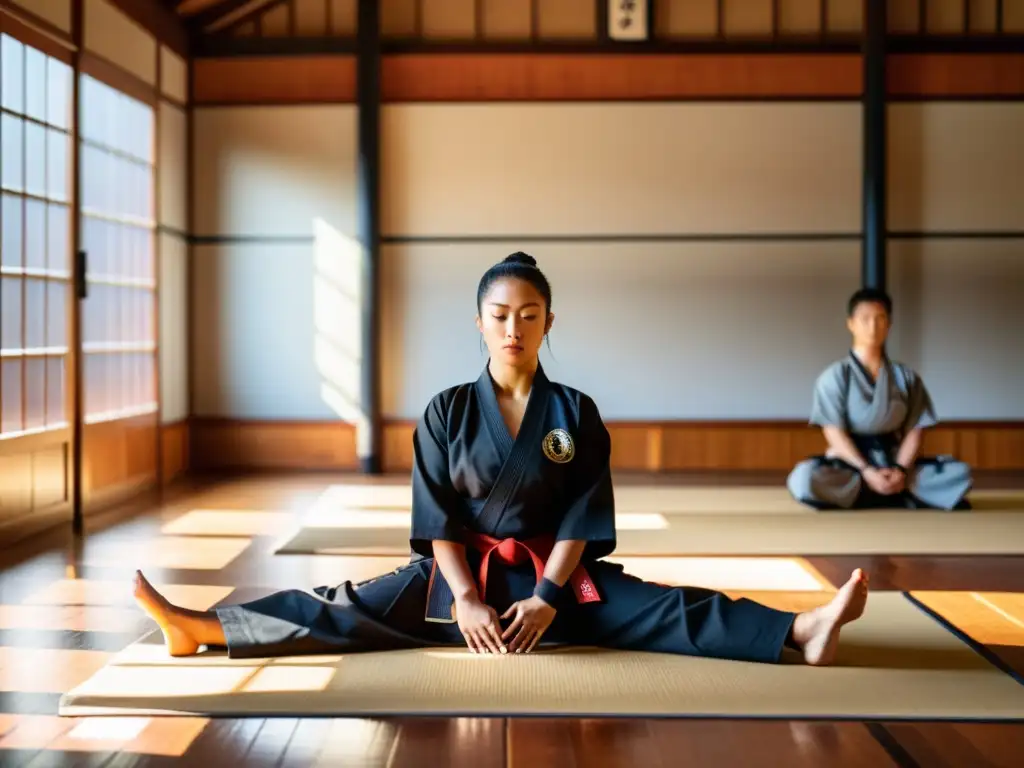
(70, 618)
(228, 522)
(293, 678)
(180, 552)
(992, 618)
(765, 573)
(160, 737)
(93, 592)
(47, 670)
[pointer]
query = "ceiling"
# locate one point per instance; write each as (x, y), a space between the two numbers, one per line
(210, 15)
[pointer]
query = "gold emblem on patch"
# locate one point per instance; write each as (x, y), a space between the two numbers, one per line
(558, 446)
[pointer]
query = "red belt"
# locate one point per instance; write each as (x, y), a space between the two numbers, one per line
(514, 552)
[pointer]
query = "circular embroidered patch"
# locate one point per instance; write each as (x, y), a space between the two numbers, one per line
(558, 446)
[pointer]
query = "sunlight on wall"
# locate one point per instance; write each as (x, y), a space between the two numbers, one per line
(337, 316)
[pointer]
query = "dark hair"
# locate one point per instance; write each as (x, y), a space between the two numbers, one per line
(521, 266)
(873, 295)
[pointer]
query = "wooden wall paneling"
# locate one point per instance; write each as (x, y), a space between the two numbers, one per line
(844, 17)
(36, 32)
(15, 486)
(448, 19)
(34, 492)
(119, 458)
(941, 440)
(174, 451)
(159, 20)
(798, 18)
(277, 20)
(400, 18)
(955, 75)
(274, 80)
(748, 19)
(636, 446)
(983, 16)
(289, 18)
(396, 440)
(567, 77)
(994, 447)
(946, 17)
(468, 77)
(688, 19)
(341, 18)
(311, 18)
(230, 444)
(565, 20)
(506, 19)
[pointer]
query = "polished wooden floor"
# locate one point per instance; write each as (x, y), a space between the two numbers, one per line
(65, 608)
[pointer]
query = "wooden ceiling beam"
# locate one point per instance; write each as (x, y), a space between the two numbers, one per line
(214, 13)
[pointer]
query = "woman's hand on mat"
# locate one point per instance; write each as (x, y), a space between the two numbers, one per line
(479, 625)
(532, 618)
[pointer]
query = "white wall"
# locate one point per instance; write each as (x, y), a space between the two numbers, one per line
(174, 248)
(273, 307)
(956, 167)
(959, 320)
(654, 319)
(174, 369)
(676, 328)
(650, 330)
(273, 171)
(620, 169)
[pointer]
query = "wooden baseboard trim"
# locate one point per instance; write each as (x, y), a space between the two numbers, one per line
(37, 522)
(105, 499)
(174, 450)
(667, 446)
(218, 444)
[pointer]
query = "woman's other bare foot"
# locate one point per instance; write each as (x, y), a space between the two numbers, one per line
(817, 632)
(179, 641)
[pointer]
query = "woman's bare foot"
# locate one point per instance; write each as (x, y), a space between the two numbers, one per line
(817, 632)
(179, 641)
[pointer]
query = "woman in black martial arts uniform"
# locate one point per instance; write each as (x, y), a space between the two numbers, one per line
(512, 509)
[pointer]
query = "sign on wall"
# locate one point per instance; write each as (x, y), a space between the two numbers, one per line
(628, 19)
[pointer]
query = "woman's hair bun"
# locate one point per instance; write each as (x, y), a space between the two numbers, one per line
(521, 258)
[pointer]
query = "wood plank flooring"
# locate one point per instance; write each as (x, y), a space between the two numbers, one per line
(65, 608)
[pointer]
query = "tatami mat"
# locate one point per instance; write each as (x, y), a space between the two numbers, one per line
(662, 499)
(866, 532)
(896, 662)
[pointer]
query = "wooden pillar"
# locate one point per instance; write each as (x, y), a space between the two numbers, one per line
(368, 222)
(76, 374)
(873, 247)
